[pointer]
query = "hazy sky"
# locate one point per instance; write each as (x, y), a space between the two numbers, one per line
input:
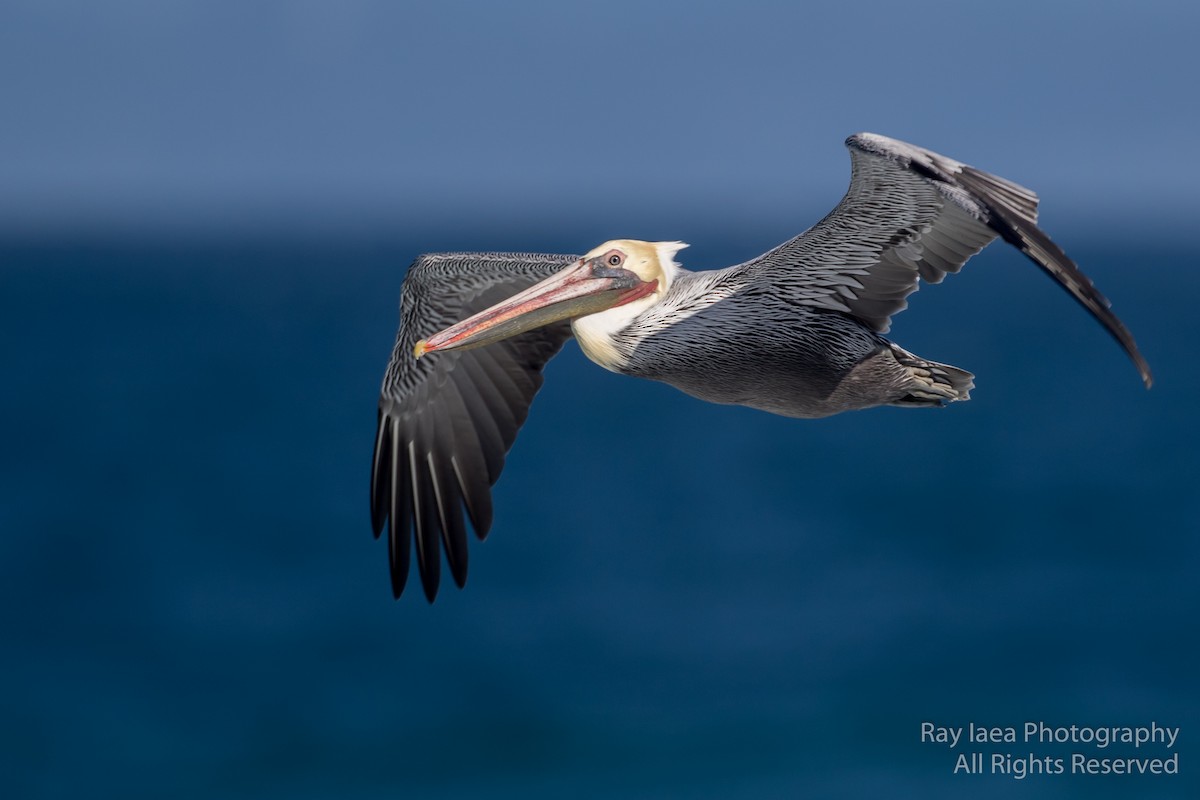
(142, 115)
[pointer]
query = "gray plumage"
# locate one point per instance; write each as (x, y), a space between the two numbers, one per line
(446, 423)
(796, 331)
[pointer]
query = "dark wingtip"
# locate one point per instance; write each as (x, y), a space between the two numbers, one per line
(399, 513)
(428, 547)
(1024, 234)
(397, 559)
(399, 579)
(429, 583)
(483, 527)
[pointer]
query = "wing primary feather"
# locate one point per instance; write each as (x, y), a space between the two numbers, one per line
(467, 462)
(425, 517)
(449, 505)
(506, 397)
(476, 496)
(1041, 250)
(381, 473)
(480, 405)
(400, 513)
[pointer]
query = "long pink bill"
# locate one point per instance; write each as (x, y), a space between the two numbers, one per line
(571, 292)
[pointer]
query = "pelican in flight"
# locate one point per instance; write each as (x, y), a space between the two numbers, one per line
(796, 331)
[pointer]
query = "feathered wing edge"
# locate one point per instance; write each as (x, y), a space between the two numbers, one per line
(445, 422)
(912, 214)
(1010, 210)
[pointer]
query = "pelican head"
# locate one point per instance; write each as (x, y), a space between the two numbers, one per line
(612, 283)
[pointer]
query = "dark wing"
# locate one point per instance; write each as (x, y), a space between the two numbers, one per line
(909, 214)
(447, 420)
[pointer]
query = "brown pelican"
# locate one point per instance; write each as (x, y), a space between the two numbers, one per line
(796, 331)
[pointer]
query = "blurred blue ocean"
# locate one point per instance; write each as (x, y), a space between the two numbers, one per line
(677, 599)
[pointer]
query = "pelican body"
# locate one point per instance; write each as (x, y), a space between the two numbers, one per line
(797, 331)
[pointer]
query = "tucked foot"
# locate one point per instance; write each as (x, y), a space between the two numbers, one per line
(928, 383)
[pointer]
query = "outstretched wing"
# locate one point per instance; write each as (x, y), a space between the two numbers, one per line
(909, 214)
(447, 420)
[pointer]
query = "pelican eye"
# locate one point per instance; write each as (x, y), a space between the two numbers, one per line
(614, 260)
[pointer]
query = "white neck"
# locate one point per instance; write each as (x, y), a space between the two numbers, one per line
(596, 333)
